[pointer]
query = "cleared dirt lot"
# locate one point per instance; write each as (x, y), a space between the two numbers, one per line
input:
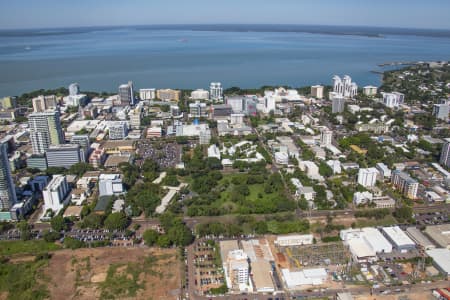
(114, 273)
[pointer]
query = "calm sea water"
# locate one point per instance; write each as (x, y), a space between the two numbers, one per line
(191, 57)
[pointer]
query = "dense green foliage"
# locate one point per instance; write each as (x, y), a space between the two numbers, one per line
(116, 221)
(20, 280)
(278, 224)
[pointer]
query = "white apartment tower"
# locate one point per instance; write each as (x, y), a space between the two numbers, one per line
(326, 136)
(45, 130)
(7, 189)
(393, 100)
(74, 89)
(126, 93)
(367, 177)
(216, 91)
(147, 94)
(345, 86)
(445, 154)
(55, 193)
(337, 104)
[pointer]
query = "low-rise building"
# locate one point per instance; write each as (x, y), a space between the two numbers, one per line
(441, 260)
(294, 240)
(439, 234)
(398, 238)
(110, 184)
(419, 238)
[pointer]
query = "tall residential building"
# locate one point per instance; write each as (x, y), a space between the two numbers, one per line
(43, 103)
(8, 102)
(384, 171)
(126, 93)
(198, 110)
(7, 189)
(45, 130)
(168, 95)
(326, 136)
(200, 94)
(317, 91)
(393, 100)
(216, 91)
(65, 155)
(441, 110)
(135, 116)
(174, 110)
(269, 103)
(117, 130)
(55, 193)
(445, 154)
(367, 177)
(337, 104)
(370, 91)
(147, 94)
(85, 145)
(74, 89)
(345, 86)
(405, 184)
(236, 103)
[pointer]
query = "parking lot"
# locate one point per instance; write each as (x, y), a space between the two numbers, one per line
(166, 155)
(208, 274)
(431, 218)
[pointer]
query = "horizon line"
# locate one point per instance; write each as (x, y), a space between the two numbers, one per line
(222, 24)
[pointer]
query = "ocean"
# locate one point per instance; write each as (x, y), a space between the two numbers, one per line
(192, 56)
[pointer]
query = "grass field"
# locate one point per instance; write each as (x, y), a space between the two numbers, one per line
(386, 221)
(9, 248)
(23, 280)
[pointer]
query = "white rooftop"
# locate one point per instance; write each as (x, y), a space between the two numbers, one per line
(397, 235)
(441, 257)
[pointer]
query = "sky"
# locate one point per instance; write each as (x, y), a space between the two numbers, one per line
(76, 13)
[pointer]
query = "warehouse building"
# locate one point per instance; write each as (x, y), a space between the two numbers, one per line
(440, 234)
(419, 238)
(441, 260)
(398, 238)
(366, 243)
(294, 240)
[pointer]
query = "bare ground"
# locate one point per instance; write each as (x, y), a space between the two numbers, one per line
(78, 274)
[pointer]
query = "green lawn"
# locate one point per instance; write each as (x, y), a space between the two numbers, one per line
(386, 221)
(8, 248)
(24, 281)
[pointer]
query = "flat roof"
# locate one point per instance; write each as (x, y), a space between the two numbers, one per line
(441, 257)
(261, 275)
(419, 237)
(398, 236)
(115, 160)
(118, 143)
(226, 247)
(439, 234)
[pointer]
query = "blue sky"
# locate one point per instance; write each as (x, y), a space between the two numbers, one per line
(68, 13)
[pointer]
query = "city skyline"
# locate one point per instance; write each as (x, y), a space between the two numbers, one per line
(25, 14)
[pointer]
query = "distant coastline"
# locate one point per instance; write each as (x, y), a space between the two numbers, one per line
(374, 32)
